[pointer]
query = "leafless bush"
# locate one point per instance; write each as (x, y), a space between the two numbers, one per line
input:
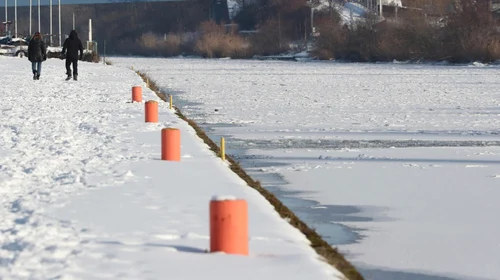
(220, 41)
(467, 34)
(149, 41)
(362, 42)
(153, 44)
(172, 44)
(332, 42)
(270, 39)
(410, 39)
(470, 33)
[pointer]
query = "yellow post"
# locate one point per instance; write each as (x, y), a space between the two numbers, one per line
(147, 82)
(170, 101)
(223, 148)
(132, 67)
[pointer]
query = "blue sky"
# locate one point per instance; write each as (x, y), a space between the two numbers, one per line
(46, 2)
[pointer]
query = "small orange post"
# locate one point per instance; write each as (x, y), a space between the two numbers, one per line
(171, 144)
(137, 94)
(151, 109)
(229, 226)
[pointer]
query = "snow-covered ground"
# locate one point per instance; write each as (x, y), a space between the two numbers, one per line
(406, 155)
(56, 49)
(85, 196)
(350, 13)
(398, 3)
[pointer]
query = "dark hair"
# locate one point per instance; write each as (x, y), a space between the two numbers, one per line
(73, 35)
(37, 35)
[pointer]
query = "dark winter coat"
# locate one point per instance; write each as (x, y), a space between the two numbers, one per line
(71, 47)
(37, 51)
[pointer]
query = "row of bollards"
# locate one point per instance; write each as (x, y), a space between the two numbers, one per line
(170, 137)
(228, 215)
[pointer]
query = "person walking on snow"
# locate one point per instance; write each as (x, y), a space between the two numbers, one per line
(70, 50)
(37, 52)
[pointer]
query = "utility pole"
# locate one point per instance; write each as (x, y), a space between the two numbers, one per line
(50, 4)
(74, 21)
(380, 7)
(15, 17)
(39, 24)
(312, 19)
(90, 30)
(31, 15)
(6, 17)
(311, 4)
(60, 33)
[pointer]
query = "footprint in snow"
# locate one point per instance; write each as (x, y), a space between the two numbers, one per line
(475, 166)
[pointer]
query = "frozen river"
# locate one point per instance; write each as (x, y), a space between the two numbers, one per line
(396, 165)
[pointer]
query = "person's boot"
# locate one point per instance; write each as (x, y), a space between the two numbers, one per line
(75, 77)
(38, 76)
(68, 77)
(34, 75)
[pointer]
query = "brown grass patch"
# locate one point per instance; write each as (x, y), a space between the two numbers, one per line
(167, 45)
(219, 41)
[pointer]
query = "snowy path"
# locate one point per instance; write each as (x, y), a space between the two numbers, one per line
(85, 196)
(52, 145)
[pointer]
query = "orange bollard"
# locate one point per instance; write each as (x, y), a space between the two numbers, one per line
(137, 94)
(151, 109)
(229, 226)
(171, 144)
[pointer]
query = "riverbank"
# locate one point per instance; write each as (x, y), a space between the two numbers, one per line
(314, 123)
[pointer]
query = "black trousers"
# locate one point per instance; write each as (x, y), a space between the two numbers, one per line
(70, 61)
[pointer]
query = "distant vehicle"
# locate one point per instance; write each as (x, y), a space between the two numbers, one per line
(13, 46)
(4, 40)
